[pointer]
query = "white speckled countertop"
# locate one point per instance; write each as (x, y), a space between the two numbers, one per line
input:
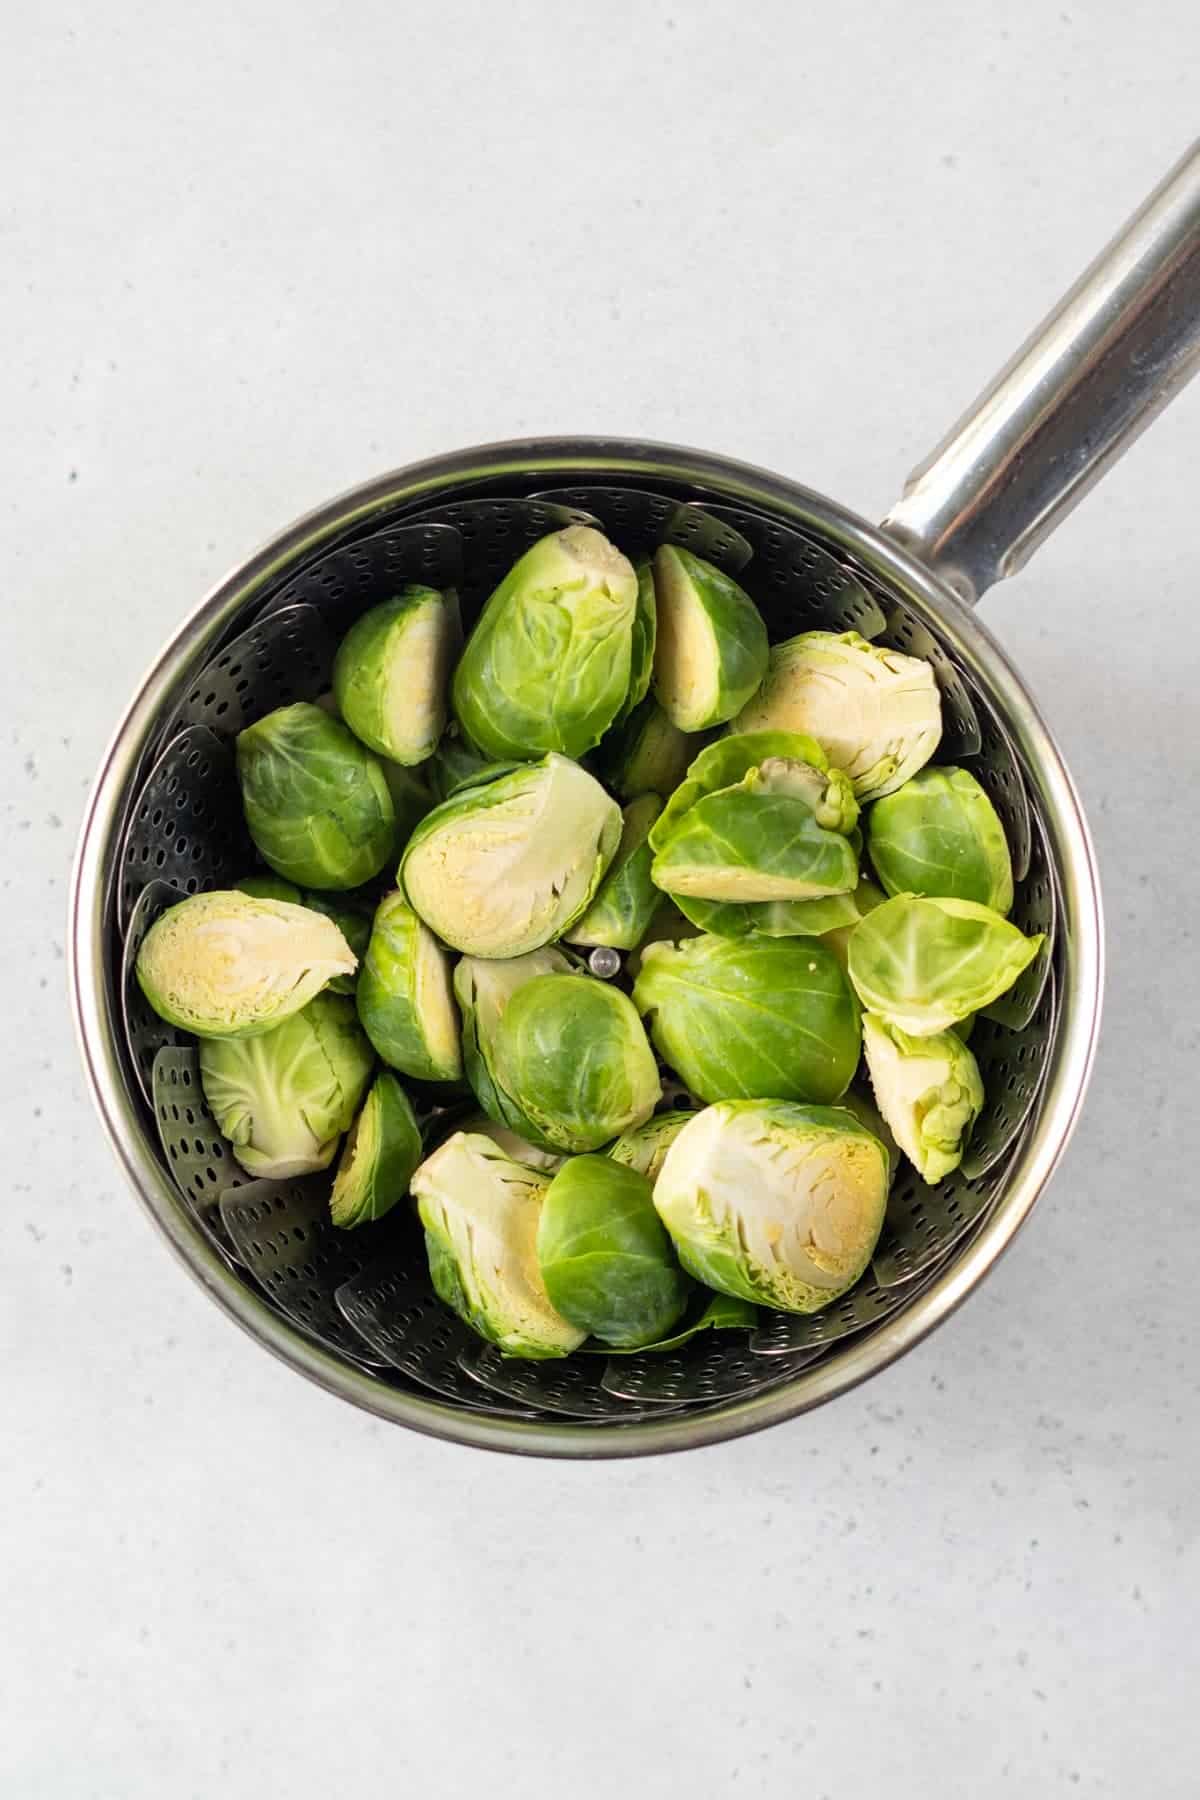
(253, 254)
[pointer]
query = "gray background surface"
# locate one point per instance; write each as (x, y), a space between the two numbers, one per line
(250, 255)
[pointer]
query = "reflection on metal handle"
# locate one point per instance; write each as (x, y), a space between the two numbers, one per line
(1110, 356)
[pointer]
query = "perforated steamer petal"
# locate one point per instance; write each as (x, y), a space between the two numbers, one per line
(1116, 350)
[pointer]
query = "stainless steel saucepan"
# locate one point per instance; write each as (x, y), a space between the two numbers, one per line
(354, 1312)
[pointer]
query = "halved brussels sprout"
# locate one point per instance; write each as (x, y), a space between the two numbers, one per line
(483, 987)
(271, 887)
(923, 963)
(645, 632)
(547, 666)
(711, 652)
(877, 713)
(627, 899)
(228, 964)
(928, 1089)
(646, 754)
(382, 1149)
(480, 1211)
(572, 1054)
(284, 1098)
(644, 1148)
(404, 996)
(452, 763)
(607, 1262)
(774, 1203)
(865, 898)
(513, 1145)
(391, 669)
(511, 860)
(316, 802)
(760, 1018)
(354, 923)
(939, 834)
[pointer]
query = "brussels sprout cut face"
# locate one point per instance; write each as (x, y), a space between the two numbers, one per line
(381, 1152)
(753, 1017)
(774, 1203)
(929, 1092)
(922, 964)
(627, 899)
(404, 997)
(284, 1098)
(391, 669)
(711, 652)
(505, 865)
(227, 964)
(480, 1212)
(316, 802)
(354, 925)
(875, 712)
(939, 834)
(548, 665)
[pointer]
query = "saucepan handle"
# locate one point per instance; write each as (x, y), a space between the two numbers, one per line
(1106, 361)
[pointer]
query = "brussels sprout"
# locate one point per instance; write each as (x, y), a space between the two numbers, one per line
(517, 1148)
(710, 1312)
(284, 1098)
(605, 1258)
(711, 652)
(411, 797)
(572, 1054)
(865, 898)
(669, 927)
(512, 859)
(645, 1146)
(924, 963)
(939, 834)
(929, 1091)
(775, 1203)
(646, 754)
(877, 713)
(391, 668)
(271, 887)
(757, 841)
(547, 667)
(626, 900)
(868, 1114)
(404, 997)
(380, 1154)
(483, 988)
(227, 964)
(761, 1018)
(645, 632)
(354, 925)
(480, 1211)
(316, 802)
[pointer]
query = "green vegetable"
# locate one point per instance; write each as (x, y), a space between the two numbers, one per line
(548, 665)
(515, 1147)
(391, 668)
(929, 1091)
(939, 834)
(627, 899)
(755, 1018)
(668, 927)
(284, 1098)
(404, 997)
(572, 1054)
(380, 1154)
(606, 1260)
(642, 641)
(865, 898)
(411, 797)
(774, 1203)
(227, 964)
(923, 963)
(271, 887)
(316, 803)
(715, 1312)
(511, 860)
(869, 1115)
(711, 652)
(645, 1146)
(451, 763)
(483, 988)
(355, 926)
(875, 712)
(646, 754)
(480, 1211)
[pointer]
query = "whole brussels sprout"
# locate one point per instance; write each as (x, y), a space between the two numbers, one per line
(228, 964)
(271, 887)
(382, 1149)
(923, 963)
(316, 803)
(607, 1262)
(711, 652)
(547, 667)
(480, 1211)
(877, 713)
(939, 834)
(513, 858)
(483, 988)
(284, 1098)
(391, 669)
(404, 997)
(646, 754)
(627, 899)
(773, 1202)
(929, 1091)
(353, 922)
(644, 635)
(759, 1018)
(644, 1148)
(572, 1054)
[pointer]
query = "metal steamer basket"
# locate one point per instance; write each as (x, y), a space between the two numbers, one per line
(355, 1311)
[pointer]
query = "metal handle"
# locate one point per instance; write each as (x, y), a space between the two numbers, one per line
(1105, 362)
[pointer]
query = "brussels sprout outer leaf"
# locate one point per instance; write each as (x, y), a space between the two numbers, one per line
(404, 996)
(923, 963)
(939, 834)
(711, 652)
(745, 845)
(626, 900)
(452, 763)
(379, 1156)
(607, 1262)
(726, 762)
(721, 1313)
